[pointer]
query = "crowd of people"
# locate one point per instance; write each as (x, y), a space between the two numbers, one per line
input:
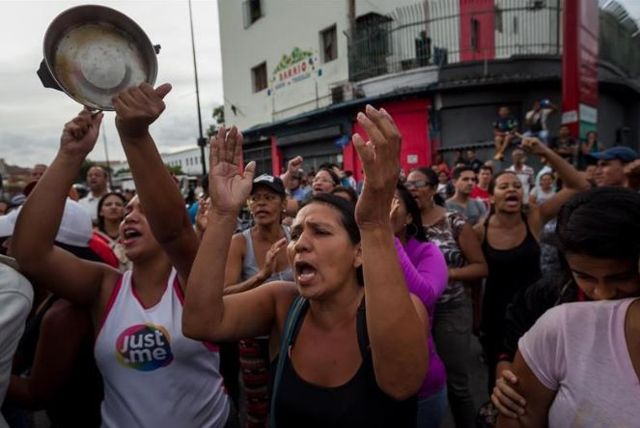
(311, 299)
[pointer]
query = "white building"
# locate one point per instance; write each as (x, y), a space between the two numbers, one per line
(281, 58)
(189, 160)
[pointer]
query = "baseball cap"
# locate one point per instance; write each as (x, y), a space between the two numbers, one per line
(75, 228)
(622, 153)
(273, 183)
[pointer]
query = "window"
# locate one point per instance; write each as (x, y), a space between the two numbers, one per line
(515, 25)
(499, 23)
(259, 77)
(252, 11)
(475, 33)
(329, 44)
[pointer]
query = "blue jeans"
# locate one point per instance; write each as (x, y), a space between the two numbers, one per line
(432, 409)
(541, 135)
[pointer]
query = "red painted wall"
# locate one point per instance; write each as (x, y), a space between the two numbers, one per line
(276, 157)
(579, 62)
(412, 119)
(484, 12)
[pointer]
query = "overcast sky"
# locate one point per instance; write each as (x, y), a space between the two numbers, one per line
(31, 116)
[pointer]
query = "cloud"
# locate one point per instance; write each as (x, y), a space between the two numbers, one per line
(32, 117)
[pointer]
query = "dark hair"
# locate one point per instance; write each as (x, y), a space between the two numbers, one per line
(101, 168)
(346, 210)
(494, 179)
(486, 168)
(601, 222)
(550, 174)
(414, 210)
(348, 190)
(457, 172)
(334, 176)
(432, 177)
(101, 202)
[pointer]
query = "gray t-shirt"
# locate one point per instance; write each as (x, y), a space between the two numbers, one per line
(473, 212)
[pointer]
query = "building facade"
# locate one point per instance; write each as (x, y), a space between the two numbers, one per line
(295, 73)
(188, 160)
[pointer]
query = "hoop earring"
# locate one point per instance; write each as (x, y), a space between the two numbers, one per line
(412, 232)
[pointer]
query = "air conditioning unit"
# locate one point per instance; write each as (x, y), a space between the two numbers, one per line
(345, 92)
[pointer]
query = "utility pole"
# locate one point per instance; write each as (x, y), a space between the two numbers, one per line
(351, 14)
(202, 142)
(106, 156)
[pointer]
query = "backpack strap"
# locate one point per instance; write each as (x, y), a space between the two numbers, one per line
(288, 333)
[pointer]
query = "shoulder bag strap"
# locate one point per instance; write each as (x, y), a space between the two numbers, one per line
(288, 332)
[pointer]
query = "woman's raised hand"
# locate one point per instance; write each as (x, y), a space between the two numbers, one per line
(202, 215)
(229, 185)
(79, 136)
(380, 157)
(271, 258)
(534, 146)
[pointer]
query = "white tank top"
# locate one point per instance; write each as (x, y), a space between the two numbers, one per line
(153, 375)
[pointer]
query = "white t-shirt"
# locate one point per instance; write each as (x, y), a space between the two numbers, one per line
(542, 196)
(90, 204)
(580, 351)
(16, 297)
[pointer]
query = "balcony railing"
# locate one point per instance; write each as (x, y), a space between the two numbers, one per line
(436, 33)
(619, 41)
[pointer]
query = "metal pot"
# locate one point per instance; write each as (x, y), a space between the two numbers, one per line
(93, 52)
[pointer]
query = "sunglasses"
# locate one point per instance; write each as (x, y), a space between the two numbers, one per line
(418, 184)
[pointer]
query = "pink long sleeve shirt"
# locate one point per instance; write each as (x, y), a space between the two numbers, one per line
(426, 275)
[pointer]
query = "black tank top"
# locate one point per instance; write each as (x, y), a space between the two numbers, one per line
(509, 271)
(357, 403)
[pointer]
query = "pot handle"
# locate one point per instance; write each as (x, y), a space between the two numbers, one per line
(46, 78)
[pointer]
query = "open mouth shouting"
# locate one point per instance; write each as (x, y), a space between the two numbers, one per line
(305, 272)
(130, 235)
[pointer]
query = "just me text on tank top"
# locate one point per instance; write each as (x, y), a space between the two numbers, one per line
(153, 375)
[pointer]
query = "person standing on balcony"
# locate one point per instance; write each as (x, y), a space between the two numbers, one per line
(504, 131)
